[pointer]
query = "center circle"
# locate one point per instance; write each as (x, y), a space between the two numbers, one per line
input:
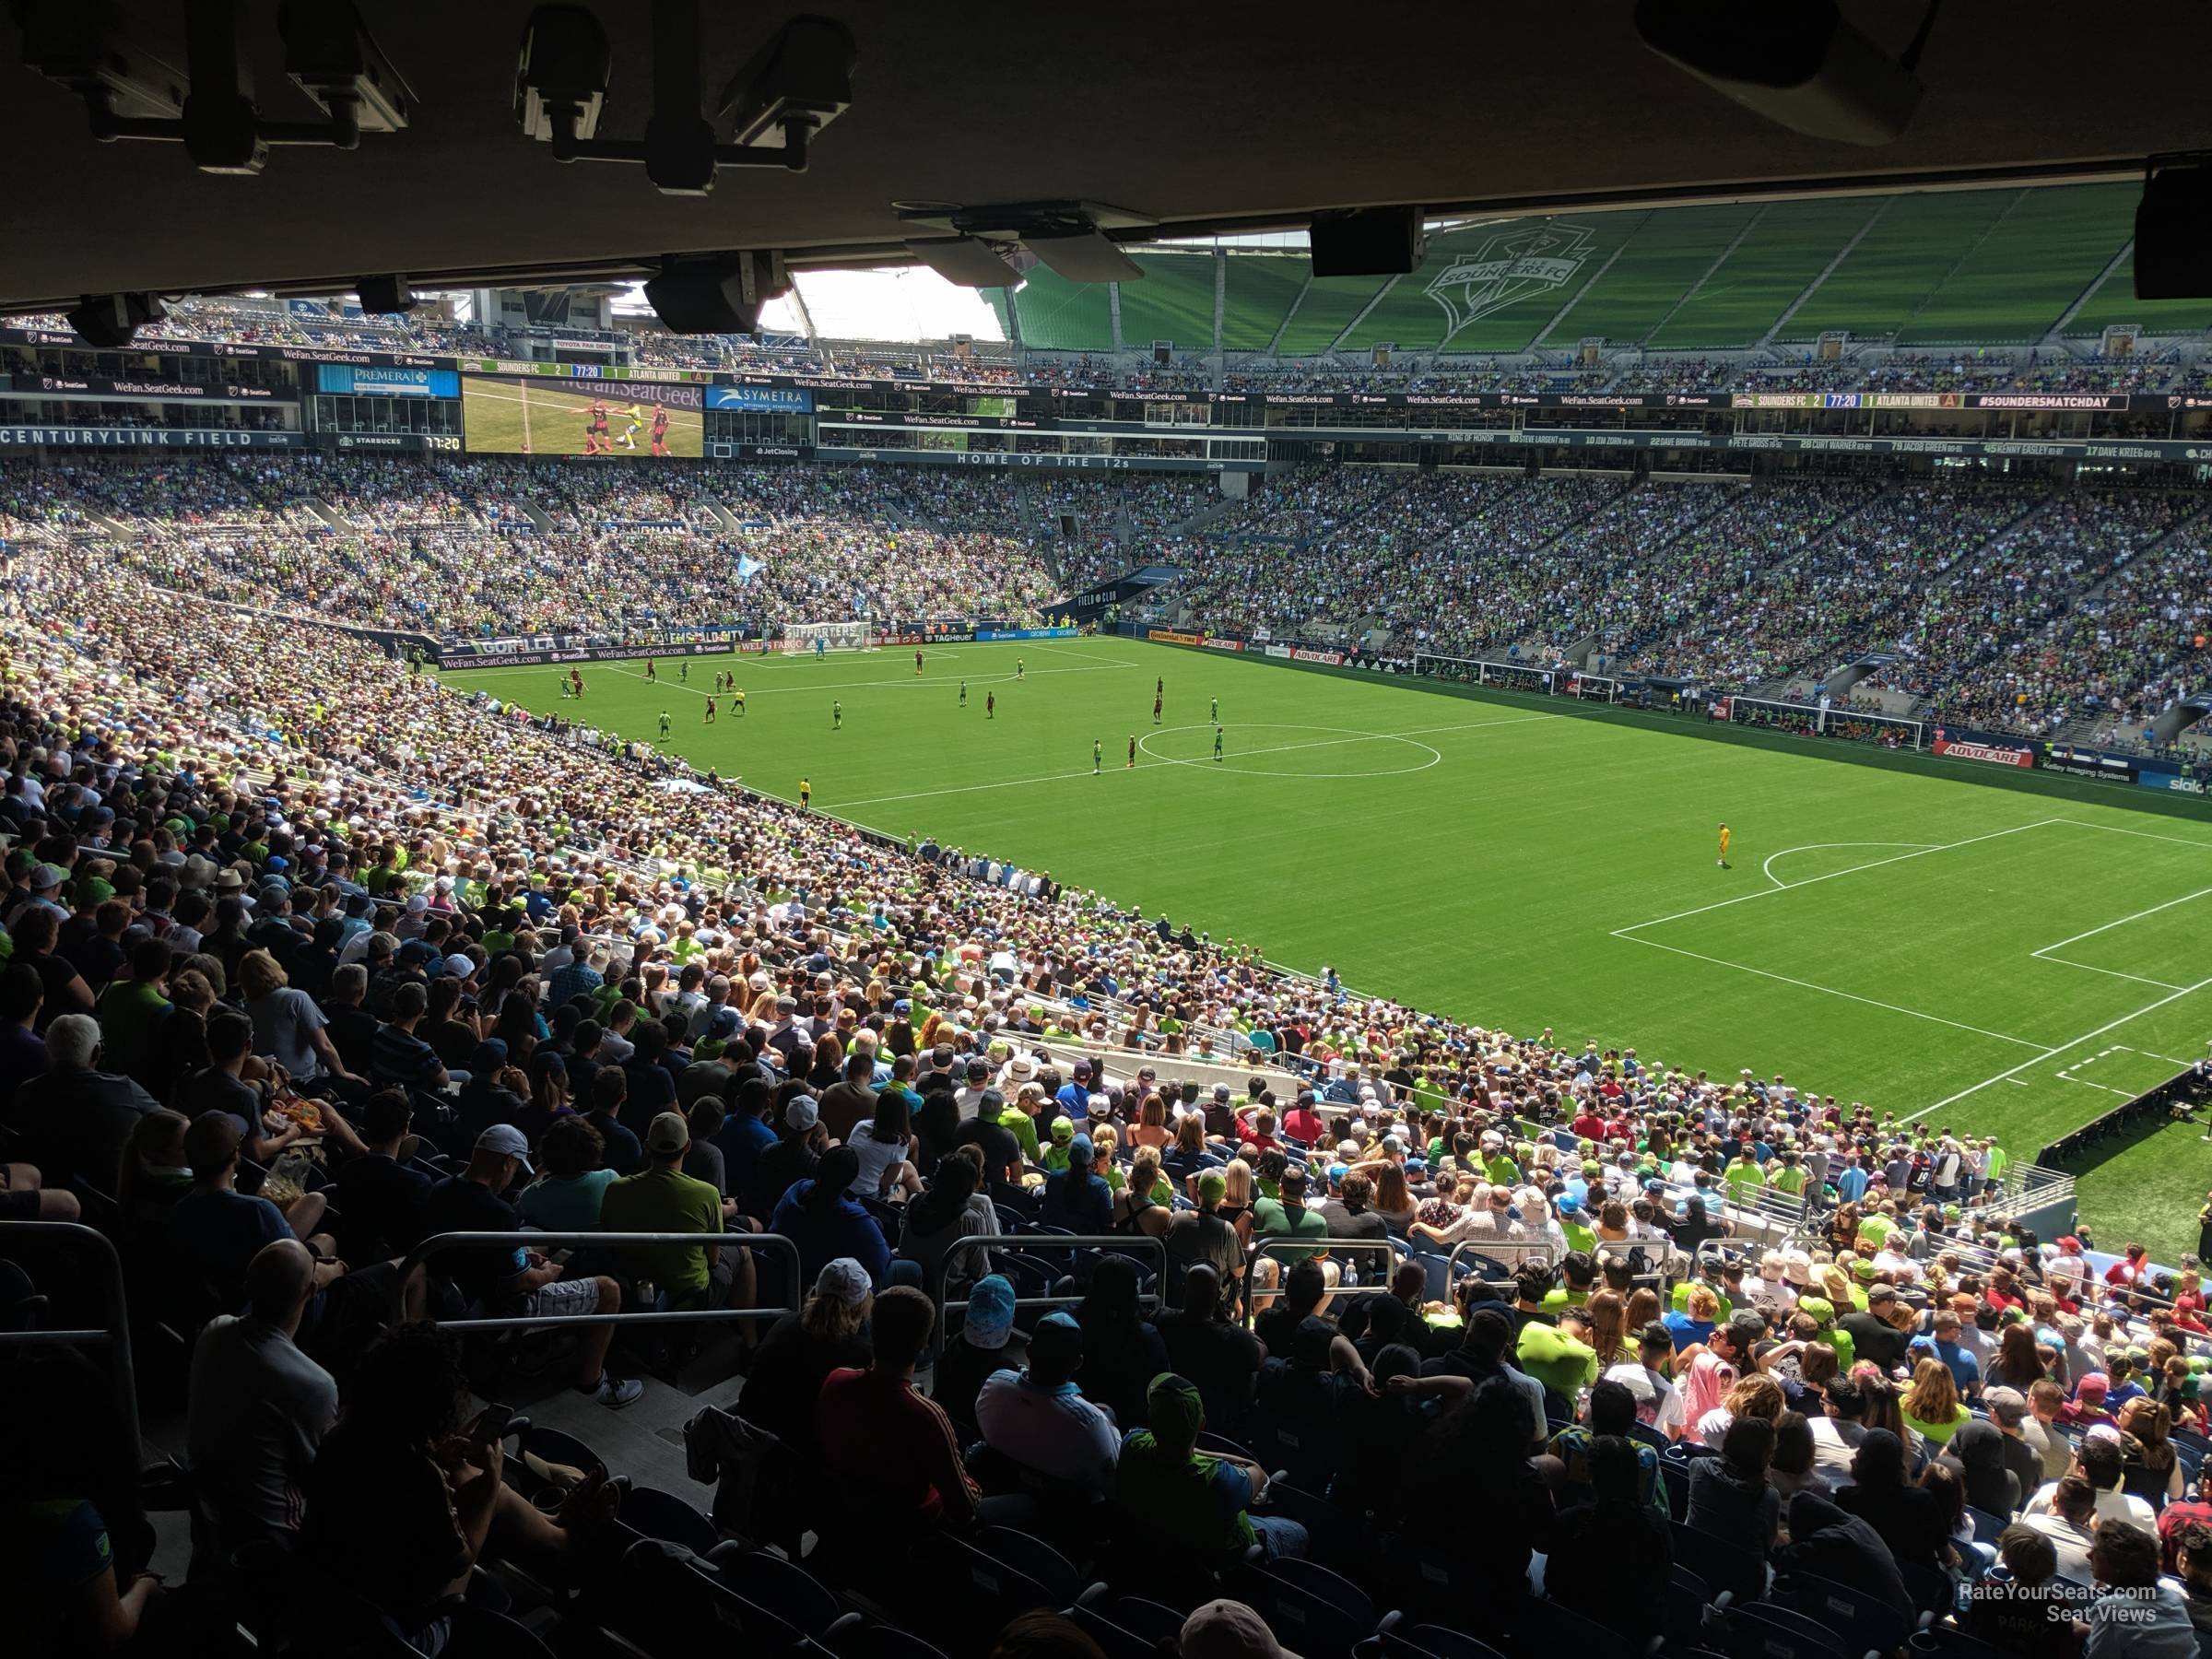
(1274, 738)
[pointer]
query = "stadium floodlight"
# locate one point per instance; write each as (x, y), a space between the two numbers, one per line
(970, 262)
(1068, 236)
(1801, 65)
(385, 296)
(1367, 241)
(795, 86)
(108, 321)
(209, 109)
(330, 56)
(561, 83)
(720, 293)
(2174, 228)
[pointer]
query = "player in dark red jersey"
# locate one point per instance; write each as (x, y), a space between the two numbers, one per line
(596, 441)
(659, 429)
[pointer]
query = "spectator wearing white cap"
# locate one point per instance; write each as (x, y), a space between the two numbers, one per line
(801, 1349)
(509, 1279)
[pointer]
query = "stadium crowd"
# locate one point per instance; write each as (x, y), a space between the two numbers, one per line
(309, 959)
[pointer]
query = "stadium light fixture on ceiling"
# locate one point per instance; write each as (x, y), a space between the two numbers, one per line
(2174, 228)
(974, 263)
(790, 89)
(1069, 237)
(1800, 65)
(128, 93)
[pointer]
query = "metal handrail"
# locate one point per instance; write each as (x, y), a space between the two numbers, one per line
(1260, 1247)
(1025, 1244)
(442, 1243)
(115, 1337)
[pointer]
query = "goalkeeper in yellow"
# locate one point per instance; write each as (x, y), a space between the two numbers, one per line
(636, 419)
(1723, 860)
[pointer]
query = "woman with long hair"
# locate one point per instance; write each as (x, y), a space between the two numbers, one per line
(1236, 1199)
(1151, 1127)
(885, 1146)
(827, 1067)
(1842, 1228)
(1931, 1406)
(1142, 1206)
(1909, 1518)
(155, 1171)
(1608, 1329)
(1643, 1310)
(2016, 1363)
(1394, 1200)
(1881, 1396)
(953, 1207)
(2150, 1463)
(1188, 1156)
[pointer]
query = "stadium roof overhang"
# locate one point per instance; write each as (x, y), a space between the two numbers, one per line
(1237, 116)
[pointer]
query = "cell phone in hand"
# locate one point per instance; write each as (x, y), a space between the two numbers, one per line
(491, 1424)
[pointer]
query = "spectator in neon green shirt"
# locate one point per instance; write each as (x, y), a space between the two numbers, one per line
(1743, 1173)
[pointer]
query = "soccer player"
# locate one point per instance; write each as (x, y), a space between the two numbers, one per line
(709, 718)
(837, 716)
(683, 671)
(963, 694)
(635, 417)
(660, 429)
(562, 683)
(1160, 687)
(990, 705)
(1021, 668)
(595, 433)
(576, 680)
(1723, 860)
(1216, 746)
(917, 662)
(736, 697)
(1213, 709)
(821, 647)
(664, 725)
(1098, 756)
(650, 672)
(1132, 761)
(806, 795)
(1155, 708)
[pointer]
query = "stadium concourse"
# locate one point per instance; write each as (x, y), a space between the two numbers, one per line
(312, 961)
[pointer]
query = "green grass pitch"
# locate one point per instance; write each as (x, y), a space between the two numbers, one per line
(2002, 961)
(512, 417)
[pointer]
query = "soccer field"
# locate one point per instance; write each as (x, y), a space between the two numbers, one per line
(2001, 960)
(519, 416)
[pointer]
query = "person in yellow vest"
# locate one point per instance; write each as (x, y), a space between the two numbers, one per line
(1723, 860)
(805, 794)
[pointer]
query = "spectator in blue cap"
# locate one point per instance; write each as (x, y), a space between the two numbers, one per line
(1037, 1417)
(987, 1342)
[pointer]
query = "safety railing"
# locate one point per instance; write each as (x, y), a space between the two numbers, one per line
(775, 1243)
(1041, 1244)
(1545, 1252)
(114, 1337)
(1310, 1246)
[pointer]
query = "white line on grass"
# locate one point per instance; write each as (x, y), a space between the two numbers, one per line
(2110, 1025)
(914, 682)
(1848, 995)
(2179, 841)
(2110, 972)
(1767, 869)
(2119, 922)
(926, 795)
(1874, 863)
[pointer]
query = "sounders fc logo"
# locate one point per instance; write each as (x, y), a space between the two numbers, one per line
(1515, 264)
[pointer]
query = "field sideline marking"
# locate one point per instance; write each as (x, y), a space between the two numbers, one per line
(1767, 868)
(1848, 995)
(910, 681)
(2179, 841)
(1873, 863)
(2110, 1025)
(2119, 922)
(1275, 749)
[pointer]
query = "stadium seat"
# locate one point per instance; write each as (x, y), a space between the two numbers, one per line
(1127, 1627)
(654, 1513)
(1861, 1623)
(1767, 1631)
(1535, 1624)
(1311, 1610)
(1722, 1565)
(1988, 1527)
(1424, 1641)
(783, 1589)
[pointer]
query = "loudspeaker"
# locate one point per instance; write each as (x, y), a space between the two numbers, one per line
(2173, 233)
(110, 320)
(722, 295)
(385, 296)
(1367, 242)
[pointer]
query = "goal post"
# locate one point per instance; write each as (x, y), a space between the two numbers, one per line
(850, 635)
